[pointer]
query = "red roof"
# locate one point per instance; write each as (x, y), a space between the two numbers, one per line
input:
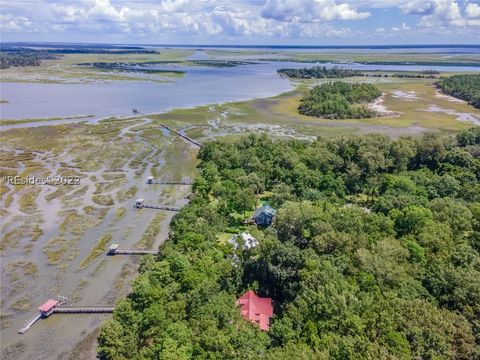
(256, 309)
(48, 305)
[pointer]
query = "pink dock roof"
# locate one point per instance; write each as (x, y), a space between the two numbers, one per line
(256, 309)
(48, 305)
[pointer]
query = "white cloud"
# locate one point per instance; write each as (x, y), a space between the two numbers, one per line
(168, 20)
(472, 11)
(11, 23)
(438, 13)
(403, 27)
(310, 11)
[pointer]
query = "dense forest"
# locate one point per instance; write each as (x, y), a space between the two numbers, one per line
(374, 254)
(319, 72)
(465, 87)
(19, 58)
(339, 100)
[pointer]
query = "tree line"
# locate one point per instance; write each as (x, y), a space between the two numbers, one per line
(319, 72)
(20, 58)
(339, 100)
(465, 87)
(374, 253)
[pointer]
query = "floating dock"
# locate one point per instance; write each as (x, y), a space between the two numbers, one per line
(29, 323)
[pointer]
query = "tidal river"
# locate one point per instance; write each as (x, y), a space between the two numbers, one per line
(201, 85)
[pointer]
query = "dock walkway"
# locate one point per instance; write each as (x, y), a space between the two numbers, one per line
(83, 309)
(161, 207)
(135, 252)
(30, 323)
(166, 182)
(186, 137)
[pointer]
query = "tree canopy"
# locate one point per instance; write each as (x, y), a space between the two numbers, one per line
(319, 72)
(374, 254)
(339, 100)
(465, 87)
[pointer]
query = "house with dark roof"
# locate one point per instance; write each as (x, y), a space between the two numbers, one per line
(256, 309)
(264, 215)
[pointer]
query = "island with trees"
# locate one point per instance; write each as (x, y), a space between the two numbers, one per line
(23, 57)
(374, 253)
(339, 100)
(465, 87)
(319, 72)
(335, 72)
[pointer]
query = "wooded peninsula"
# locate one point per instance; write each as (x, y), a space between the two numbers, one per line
(374, 253)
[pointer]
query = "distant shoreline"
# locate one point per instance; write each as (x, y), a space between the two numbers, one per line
(252, 46)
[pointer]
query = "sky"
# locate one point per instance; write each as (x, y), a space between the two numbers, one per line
(242, 22)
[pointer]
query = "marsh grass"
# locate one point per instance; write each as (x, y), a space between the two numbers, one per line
(59, 191)
(125, 194)
(56, 250)
(99, 248)
(21, 304)
(15, 278)
(3, 190)
(77, 293)
(78, 224)
(78, 193)
(105, 200)
(13, 238)
(102, 187)
(175, 168)
(152, 231)
(120, 213)
(13, 351)
(66, 70)
(113, 176)
(28, 199)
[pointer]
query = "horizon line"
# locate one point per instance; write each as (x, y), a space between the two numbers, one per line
(442, 45)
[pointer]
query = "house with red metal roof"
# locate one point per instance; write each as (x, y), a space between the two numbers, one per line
(256, 309)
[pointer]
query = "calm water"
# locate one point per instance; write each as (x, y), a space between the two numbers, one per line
(200, 86)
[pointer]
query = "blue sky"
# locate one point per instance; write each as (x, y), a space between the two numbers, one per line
(277, 22)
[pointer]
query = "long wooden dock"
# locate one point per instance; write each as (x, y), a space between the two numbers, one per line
(83, 309)
(161, 207)
(57, 307)
(134, 252)
(140, 203)
(114, 249)
(186, 137)
(166, 182)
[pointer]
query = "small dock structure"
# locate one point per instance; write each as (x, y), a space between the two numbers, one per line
(47, 308)
(151, 180)
(54, 306)
(140, 203)
(114, 249)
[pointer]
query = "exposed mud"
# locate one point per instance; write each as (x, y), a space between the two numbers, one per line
(379, 107)
(460, 116)
(405, 95)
